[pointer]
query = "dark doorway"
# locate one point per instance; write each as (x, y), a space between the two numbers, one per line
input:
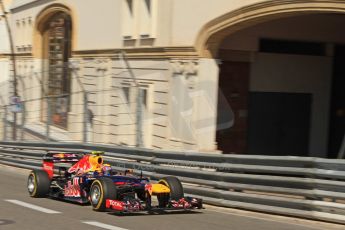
(233, 90)
(337, 122)
(279, 123)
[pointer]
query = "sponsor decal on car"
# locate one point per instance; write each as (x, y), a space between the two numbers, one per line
(182, 203)
(114, 204)
(82, 166)
(76, 180)
(148, 188)
(63, 155)
(72, 190)
(48, 167)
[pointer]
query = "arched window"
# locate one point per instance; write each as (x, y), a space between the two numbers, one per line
(56, 53)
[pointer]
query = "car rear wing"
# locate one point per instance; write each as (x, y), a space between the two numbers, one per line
(63, 157)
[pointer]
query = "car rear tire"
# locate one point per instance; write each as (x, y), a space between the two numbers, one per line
(101, 190)
(176, 190)
(38, 183)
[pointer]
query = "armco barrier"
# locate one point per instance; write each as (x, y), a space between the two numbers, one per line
(296, 186)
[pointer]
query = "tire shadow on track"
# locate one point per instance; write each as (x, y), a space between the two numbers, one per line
(6, 222)
(129, 214)
(67, 201)
(155, 212)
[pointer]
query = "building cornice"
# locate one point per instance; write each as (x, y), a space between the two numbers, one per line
(9, 55)
(142, 53)
(172, 53)
(28, 4)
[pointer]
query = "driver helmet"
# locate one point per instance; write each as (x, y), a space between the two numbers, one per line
(107, 169)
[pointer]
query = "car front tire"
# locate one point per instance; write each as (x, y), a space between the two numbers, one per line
(101, 190)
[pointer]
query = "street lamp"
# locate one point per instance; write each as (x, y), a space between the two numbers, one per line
(13, 59)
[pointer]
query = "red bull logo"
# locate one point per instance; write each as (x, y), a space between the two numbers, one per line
(72, 190)
(81, 166)
(86, 164)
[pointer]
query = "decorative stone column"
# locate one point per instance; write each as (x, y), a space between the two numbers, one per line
(194, 95)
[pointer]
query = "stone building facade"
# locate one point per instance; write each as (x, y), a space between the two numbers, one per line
(4, 55)
(253, 76)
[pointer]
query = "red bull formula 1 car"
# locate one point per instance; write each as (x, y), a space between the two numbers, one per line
(84, 178)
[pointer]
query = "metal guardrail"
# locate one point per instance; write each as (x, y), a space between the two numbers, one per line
(296, 186)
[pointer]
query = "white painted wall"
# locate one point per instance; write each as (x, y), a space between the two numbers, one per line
(96, 26)
(298, 74)
(91, 30)
(4, 63)
(5, 49)
(190, 16)
(4, 84)
(17, 3)
(205, 98)
(4, 42)
(179, 21)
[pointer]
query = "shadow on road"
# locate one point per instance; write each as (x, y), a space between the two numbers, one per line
(6, 222)
(155, 212)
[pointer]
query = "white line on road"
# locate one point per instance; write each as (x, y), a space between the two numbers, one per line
(104, 226)
(32, 206)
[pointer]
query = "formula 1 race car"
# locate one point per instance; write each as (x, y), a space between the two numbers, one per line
(84, 178)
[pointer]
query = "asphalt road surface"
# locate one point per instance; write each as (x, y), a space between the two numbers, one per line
(19, 211)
